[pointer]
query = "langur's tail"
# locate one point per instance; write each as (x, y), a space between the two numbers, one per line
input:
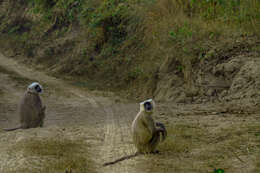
(12, 129)
(121, 159)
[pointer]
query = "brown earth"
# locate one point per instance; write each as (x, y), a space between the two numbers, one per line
(93, 127)
(229, 72)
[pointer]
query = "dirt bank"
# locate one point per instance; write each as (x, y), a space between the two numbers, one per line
(229, 72)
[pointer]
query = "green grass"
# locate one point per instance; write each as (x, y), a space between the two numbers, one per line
(116, 35)
(56, 155)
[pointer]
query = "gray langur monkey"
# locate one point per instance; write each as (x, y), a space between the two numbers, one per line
(146, 133)
(31, 110)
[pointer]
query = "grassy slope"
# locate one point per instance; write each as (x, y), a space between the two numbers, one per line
(98, 40)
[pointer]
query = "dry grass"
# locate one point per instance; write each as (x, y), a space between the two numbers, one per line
(193, 148)
(182, 138)
(257, 167)
(56, 155)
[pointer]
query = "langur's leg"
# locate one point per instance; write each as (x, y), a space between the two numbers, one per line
(154, 142)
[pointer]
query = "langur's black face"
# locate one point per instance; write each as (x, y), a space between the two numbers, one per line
(38, 89)
(148, 106)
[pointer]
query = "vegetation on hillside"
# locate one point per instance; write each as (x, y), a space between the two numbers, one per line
(113, 42)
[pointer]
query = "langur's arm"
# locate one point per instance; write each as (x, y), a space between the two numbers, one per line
(39, 108)
(42, 113)
(43, 109)
(162, 130)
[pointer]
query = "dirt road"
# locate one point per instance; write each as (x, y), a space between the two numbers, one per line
(101, 127)
(102, 122)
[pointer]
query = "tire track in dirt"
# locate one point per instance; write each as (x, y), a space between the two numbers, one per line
(99, 121)
(76, 109)
(114, 119)
(117, 142)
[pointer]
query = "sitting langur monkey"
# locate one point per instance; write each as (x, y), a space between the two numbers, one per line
(31, 110)
(146, 133)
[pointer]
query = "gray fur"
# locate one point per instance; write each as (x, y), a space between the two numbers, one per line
(31, 111)
(146, 133)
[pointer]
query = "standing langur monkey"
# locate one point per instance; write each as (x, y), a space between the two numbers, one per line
(146, 133)
(31, 110)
